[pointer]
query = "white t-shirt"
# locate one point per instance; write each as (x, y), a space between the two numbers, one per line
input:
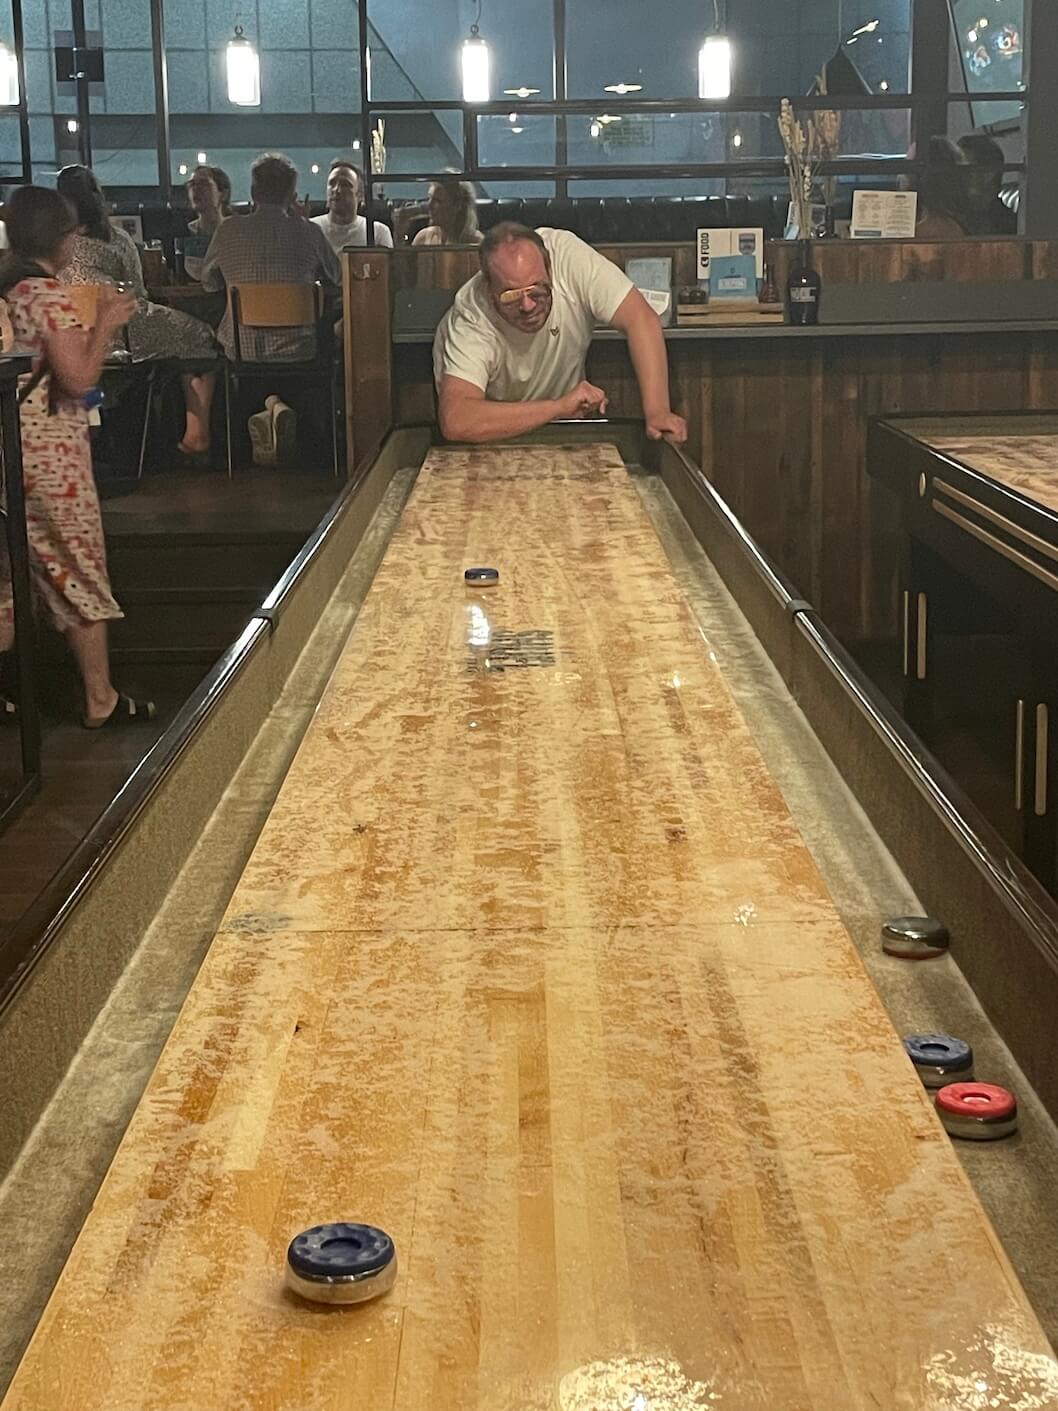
(339, 236)
(474, 344)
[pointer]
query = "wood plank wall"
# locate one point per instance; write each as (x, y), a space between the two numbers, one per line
(780, 425)
(367, 338)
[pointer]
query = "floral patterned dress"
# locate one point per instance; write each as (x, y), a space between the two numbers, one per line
(66, 549)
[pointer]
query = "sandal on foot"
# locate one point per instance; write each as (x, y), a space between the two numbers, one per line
(126, 712)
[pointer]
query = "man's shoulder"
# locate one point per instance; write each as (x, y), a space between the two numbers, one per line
(322, 221)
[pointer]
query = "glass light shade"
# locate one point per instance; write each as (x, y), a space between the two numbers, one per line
(477, 66)
(8, 78)
(244, 72)
(714, 67)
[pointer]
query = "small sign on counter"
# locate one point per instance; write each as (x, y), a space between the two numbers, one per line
(884, 215)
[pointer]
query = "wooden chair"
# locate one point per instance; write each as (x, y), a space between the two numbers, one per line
(281, 306)
(85, 299)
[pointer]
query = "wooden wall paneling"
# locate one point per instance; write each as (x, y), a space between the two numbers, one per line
(1041, 371)
(1043, 259)
(368, 346)
(843, 531)
(729, 419)
(414, 401)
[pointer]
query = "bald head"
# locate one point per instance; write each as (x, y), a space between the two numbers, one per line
(517, 270)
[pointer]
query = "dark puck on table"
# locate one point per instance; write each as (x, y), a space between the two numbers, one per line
(341, 1263)
(914, 937)
(481, 577)
(978, 1112)
(940, 1059)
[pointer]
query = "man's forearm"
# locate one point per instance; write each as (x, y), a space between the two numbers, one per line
(646, 346)
(471, 420)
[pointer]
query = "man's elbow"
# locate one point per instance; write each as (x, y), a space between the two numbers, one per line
(458, 423)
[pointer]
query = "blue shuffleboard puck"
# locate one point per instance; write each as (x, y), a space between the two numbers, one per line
(341, 1263)
(914, 937)
(940, 1059)
(481, 577)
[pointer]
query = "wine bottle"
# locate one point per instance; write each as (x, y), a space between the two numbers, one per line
(803, 289)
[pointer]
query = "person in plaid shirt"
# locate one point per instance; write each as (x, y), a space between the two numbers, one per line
(274, 245)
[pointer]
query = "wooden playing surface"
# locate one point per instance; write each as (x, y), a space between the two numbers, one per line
(1020, 452)
(532, 968)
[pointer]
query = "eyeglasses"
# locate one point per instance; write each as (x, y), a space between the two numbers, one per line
(537, 293)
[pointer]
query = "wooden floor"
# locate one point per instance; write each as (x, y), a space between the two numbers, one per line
(531, 968)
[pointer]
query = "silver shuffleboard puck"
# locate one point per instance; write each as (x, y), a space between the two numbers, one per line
(977, 1112)
(481, 577)
(341, 1263)
(914, 937)
(940, 1059)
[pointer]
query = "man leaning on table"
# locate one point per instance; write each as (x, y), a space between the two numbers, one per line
(509, 354)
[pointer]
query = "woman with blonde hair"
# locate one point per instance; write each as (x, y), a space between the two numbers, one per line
(453, 216)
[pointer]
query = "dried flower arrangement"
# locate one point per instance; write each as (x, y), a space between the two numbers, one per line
(805, 147)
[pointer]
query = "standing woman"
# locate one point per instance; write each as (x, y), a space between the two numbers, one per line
(65, 529)
(103, 254)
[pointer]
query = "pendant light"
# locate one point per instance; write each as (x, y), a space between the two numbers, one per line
(244, 72)
(714, 61)
(9, 92)
(477, 66)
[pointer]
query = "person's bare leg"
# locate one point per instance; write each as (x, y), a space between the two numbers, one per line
(88, 642)
(198, 400)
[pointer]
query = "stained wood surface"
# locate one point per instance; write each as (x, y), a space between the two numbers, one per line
(1019, 452)
(531, 967)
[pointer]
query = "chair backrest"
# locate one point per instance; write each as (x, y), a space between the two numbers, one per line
(276, 305)
(255, 306)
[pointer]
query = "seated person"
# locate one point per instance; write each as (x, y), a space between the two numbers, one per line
(343, 224)
(941, 194)
(101, 253)
(209, 191)
(274, 245)
(986, 214)
(453, 215)
(509, 354)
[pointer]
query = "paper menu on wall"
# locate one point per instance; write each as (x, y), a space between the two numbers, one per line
(653, 279)
(884, 215)
(725, 242)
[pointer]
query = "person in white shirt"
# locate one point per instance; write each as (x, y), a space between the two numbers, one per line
(343, 225)
(509, 354)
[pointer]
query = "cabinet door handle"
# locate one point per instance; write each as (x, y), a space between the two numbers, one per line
(1041, 760)
(1019, 756)
(907, 632)
(922, 626)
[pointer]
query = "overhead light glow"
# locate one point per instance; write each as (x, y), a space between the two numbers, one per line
(8, 78)
(736, 140)
(182, 169)
(607, 118)
(522, 92)
(517, 129)
(201, 158)
(512, 117)
(244, 72)
(884, 85)
(315, 168)
(971, 35)
(72, 125)
(622, 88)
(477, 69)
(356, 144)
(596, 129)
(714, 67)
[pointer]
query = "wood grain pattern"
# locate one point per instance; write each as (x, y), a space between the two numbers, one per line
(367, 337)
(532, 968)
(1019, 452)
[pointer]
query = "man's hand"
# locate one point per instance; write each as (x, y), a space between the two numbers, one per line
(667, 426)
(584, 400)
(114, 308)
